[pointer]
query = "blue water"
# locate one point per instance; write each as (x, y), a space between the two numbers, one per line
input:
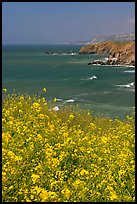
(103, 89)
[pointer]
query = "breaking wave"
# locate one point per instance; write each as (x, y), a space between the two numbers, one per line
(69, 101)
(90, 78)
(130, 71)
(126, 85)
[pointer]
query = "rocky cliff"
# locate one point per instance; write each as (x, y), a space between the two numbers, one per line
(119, 52)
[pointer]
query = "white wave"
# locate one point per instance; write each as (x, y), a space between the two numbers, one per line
(106, 92)
(59, 99)
(129, 66)
(90, 78)
(132, 83)
(106, 58)
(69, 101)
(93, 77)
(126, 85)
(73, 53)
(130, 71)
(115, 65)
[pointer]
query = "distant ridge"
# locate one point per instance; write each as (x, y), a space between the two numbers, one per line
(123, 37)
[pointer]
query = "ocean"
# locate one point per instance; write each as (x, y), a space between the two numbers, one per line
(107, 90)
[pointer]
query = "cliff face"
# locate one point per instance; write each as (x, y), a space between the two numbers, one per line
(123, 52)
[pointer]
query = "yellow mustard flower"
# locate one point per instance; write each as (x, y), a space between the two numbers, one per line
(44, 195)
(113, 195)
(35, 177)
(71, 116)
(44, 90)
(66, 192)
(4, 90)
(55, 100)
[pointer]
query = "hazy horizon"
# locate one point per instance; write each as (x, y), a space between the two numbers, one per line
(64, 22)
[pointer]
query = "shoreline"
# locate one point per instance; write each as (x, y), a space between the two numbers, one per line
(119, 53)
(115, 65)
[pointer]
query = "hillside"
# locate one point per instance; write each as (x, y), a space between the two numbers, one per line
(123, 52)
(123, 37)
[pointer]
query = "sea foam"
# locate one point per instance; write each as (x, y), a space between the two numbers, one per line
(69, 101)
(90, 78)
(59, 99)
(93, 77)
(126, 85)
(130, 71)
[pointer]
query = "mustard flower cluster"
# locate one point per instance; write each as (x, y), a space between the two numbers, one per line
(64, 155)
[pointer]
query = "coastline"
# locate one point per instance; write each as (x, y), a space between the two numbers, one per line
(119, 53)
(68, 77)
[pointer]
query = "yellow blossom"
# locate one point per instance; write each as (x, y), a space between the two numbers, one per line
(35, 177)
(113, 195)
(44, 89)
(55, 100)
(92, 126)
(44, 195)
(71, 116)
(4, 90)
(84, 172)
(67, 155)
(66, 192)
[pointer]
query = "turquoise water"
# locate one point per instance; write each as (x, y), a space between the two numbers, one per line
(104, 89)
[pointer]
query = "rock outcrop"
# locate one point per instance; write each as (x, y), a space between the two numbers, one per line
(122, 53)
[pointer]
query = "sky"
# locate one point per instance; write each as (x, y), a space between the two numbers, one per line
(63, 22)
